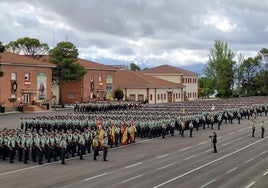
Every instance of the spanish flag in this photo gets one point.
(101, 133)
(124, 136)
(112, 135)
(132, 132)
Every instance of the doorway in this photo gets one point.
(26, 97)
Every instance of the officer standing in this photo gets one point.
(214, 141)
(12, 148)
(82, 146)
(253, 124)
(63, 146)
(262, 129)
(182, 128)
(105, 147)
(191, 128)
(95, 146)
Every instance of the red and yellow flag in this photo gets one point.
(124, 136)
(112, 136)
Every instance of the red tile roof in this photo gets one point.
(167, 69)
(89, 65)
(8, 58)
(134, 79)
(94, 66)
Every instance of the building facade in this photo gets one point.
(140, 87)
(97, 84)
(25, 80)
(179, 76)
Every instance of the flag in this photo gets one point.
(132, 132)
(124, 136)
(112, 134)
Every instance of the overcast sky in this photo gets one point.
(152, 32)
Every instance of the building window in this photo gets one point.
(132, 97)
(27, 76)
(164, 96)
(140, 97)
(158, 97)
(179, 95)
(100, 78)
(13, 76)
(71, 95)
(151, 97)
(92, 78)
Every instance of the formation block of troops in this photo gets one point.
(50, 138)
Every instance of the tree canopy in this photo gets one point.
(28, 46)
(220, 68)
(64, 56)
(2, 47)
(134, 67)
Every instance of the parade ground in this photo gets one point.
(182, 162)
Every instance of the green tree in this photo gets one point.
(2, 47)
(118, 94)
(205, 87)
(220, 68)
(134, 67)
(28, 46)
(64, 56)
(247, 72)
(261, 81)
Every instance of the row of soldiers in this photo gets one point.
(104, 106)
(145, 119)
(70, 135)
(41, 144)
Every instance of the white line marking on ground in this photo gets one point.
(136, 164)
(183, 149)
(163, 167)
(252, 183)
(226, 144)
(211, 181)
(264, 174)
(263, 152)
(219, 137)
(238, 138)
(161, 156)
(208, 151)
(193, 156)
(207, 164)
(19, 170)
(95, 176)
(249, 160)
(202, 143)
(130, 179)
(240, 130)
(230, 133)
(231, 170)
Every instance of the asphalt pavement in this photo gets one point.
(183, 162)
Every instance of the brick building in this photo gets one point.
(25, 80)
(96, 84)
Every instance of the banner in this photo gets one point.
(41, 85)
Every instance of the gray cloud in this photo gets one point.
(151, 31)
